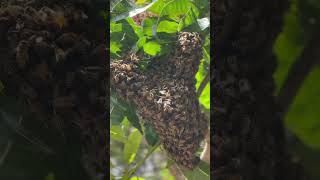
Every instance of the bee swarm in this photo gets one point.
(248, 141)
(165, 97)
(51, 57)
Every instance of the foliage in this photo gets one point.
(153, 38)
(301, 119)
(301, 22)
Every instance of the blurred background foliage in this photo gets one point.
(149, 28)
(303, 119)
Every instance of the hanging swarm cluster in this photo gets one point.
(50, 58)
(248, 139)
(165, 97)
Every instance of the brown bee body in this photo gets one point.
(22, 55)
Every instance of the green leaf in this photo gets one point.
(152, 48)
(142, 41)
(148, 25)
(173, 8)
(189, 18)
(202, 172)
(167, 27)
(115, 47)
(117, 110)
(125, 39)
(116, 115)
(165, 174)
(131, 147)
(302, 117)
(115, 27)
(205, 97)
(132, 117)
(150, 135)
(136, 178)
(117, 134)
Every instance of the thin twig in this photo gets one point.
(298, 73)
(6, 152)
(203, 84)
(140, 163)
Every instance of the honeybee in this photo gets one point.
(22, 54)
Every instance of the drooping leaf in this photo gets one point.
(150, 135)
(117, 110)
(131, 147)
(132, 117)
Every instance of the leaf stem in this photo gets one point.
(140, 163)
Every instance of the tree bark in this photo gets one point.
(248, 136)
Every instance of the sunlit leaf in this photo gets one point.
(131, 147)
(152, 48)
(167, 27)
(165, 174)
(115, 47)
(117, 134)
(115, 27)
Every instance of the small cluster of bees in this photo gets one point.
(49, 58)
(165, 97)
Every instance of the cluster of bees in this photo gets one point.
(165, 97)
(51, 60)
(247, 132)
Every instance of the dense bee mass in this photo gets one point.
(51, 57)
(165, 97)
(248, 141)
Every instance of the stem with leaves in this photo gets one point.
(140, 163)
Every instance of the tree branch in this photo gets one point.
(298, 73)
